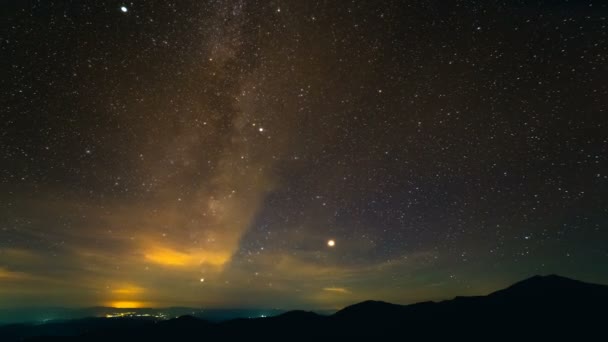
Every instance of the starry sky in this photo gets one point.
(205, 153)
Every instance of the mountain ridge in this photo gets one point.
(541, 306)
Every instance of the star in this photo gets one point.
(232, 142)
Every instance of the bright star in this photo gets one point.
(124, 9)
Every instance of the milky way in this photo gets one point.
(299, 154)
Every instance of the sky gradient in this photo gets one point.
(203, 153)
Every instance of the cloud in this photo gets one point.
(6, 274)
(169, 257)
(124, 304)
(129, 290)
(337, 290)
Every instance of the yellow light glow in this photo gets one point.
(126, 304)
(7, 274)
(331, 243)
(336, 289)
(128, 290)
(169, 257)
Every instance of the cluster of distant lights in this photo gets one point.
(131, 314)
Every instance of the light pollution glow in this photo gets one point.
(129, 304)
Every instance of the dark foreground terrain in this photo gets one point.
(539, 308)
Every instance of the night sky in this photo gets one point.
(205, 153)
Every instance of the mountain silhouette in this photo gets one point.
(540, 307)
(549, 287)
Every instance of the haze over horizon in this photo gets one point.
(299, 154)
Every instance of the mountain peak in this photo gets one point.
(546, 280)
(368, 304)
(551, 285)
(368, 307)
(549, 278)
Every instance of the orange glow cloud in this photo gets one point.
(6, 274)
(169, 257)
(126, 304)
(128, 290)
(336, 289)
